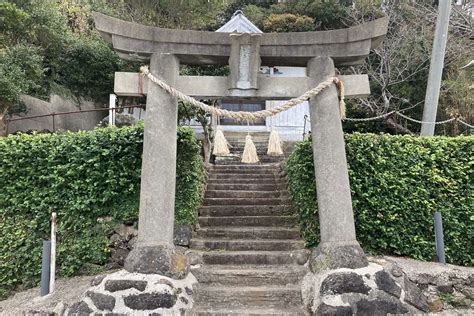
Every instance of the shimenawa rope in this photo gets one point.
(250, 116)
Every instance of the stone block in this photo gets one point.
(346, 256)
(163, 260)
(182, 235)
(387, 284)
(329, 310)
(414, 296)
(79, 309)
(102, 301)
(343, 282)
(150, 301)
(120, 285)
(380, 306)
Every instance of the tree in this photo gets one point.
(398, 68)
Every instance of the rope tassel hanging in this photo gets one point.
(250, 152)
(221, 146)
(274, 144)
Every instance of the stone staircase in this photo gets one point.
(248, 242)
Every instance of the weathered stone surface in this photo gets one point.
(166, 282)
(414, 296)
(349, 256)
(380, 307)
(118, 257)
(329, 310)
(194, 258)
(102, 301)
(435, 304)
(343, 282)
(346, 46)
(182, 235)
(460, 301)
(397, 271)
(79, 309)
(445, 288)
(184, 300)
(162, 260)
(97, 280)
(150, 301)
(338, 247)
(121, 119)
(386, 283)
(188, 290)
(120, 285)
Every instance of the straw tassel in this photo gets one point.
(274, 144)
(342, 104)
(221, 146)
(250, 152)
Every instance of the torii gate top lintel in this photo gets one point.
(347, 46)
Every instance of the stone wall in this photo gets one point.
(68, 122)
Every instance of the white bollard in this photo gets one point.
(112, 99)
(52, 273)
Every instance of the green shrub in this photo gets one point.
(397, 182)
(83, 177)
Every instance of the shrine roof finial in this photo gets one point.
(239, 24)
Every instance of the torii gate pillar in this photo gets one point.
(155, 251)
(338, 247)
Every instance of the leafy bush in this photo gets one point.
(397, 182)
(83, 177)
(87, 68)
(21, 72)
(288, 22)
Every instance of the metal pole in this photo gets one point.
(439, 238)
(52, 275)
(45, 268)
(112, 100)
(436, 68)
(304, 126)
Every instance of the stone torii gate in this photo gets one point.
(166, 49)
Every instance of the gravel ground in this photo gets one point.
(69, 291)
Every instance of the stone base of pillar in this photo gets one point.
(161, 259)
(329, 256)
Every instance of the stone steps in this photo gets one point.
(247, 251)
(246, 201)
(242, 187)
(256, 232)
(218, 175)
(235, 311)
(254, 257)
(249, 275)
(248, 194)
(270, 172)
(229, 221)
(247, 244)
(258, 296)
(246, 180)
(242, 167)
(246, 210)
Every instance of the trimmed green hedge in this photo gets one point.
(397, 182)
(83, 177)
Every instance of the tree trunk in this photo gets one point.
(3, 124)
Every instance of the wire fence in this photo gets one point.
(53, 115)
